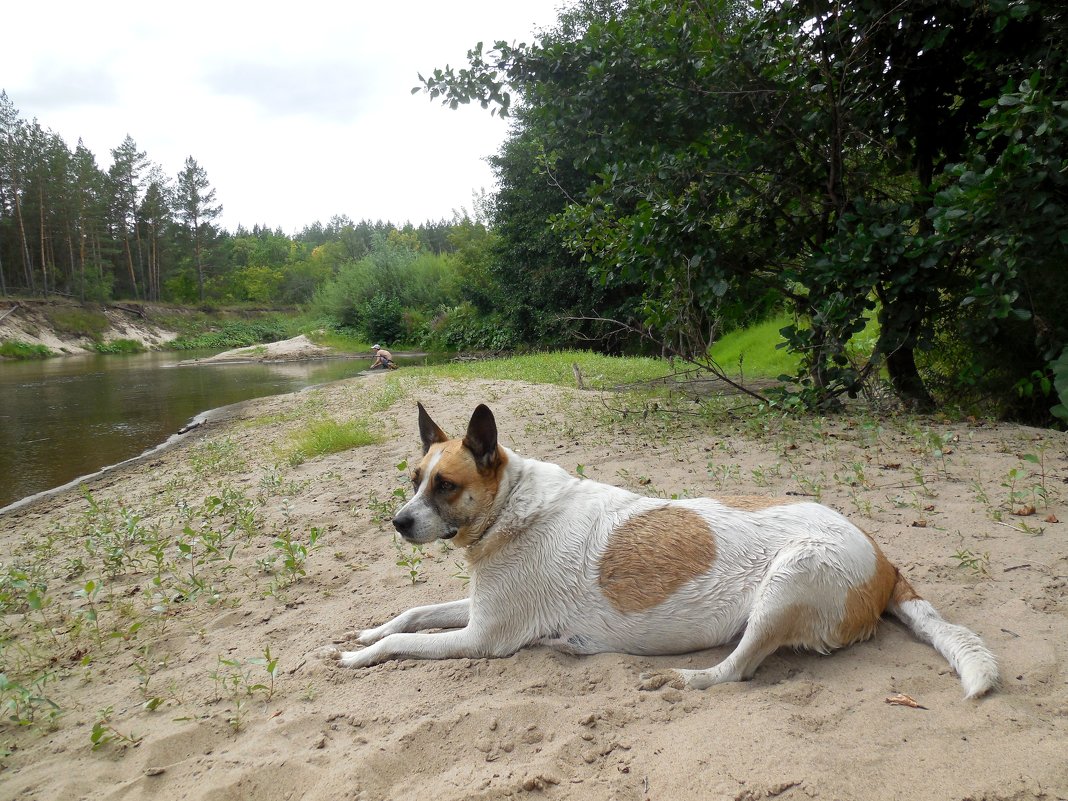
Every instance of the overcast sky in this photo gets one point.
(297, 111)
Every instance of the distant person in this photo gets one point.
(383, 358)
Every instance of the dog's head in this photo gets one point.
(455, 482)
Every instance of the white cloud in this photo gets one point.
(297, 111)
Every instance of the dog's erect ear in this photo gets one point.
(481, 438)
(429, 431)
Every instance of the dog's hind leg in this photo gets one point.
(792, 608)
(767, 631)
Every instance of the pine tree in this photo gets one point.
(197, 209)
(125, 174)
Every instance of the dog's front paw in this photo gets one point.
(358, 659)
(660, 678)
(326, 652)
(371, 636)
(347, 636)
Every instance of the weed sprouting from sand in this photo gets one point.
(462, 574)
(383, 509)
(410, 558)
(811, 485)
(217, 456)
(103, 732)
(236, 682)
(294, 553)
(723, 474)
(977, 564)
(25, 704)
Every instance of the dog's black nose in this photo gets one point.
(403, 523)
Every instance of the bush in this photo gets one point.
(15, 349)
(392, 277)
(119, 346)
(383, 319)
(238, 334)
(95, 287)
(77, 321)
(462, 328)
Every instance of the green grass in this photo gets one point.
(235, 334)
(77, 322)
(755, 346)
(119, 346)
(14, 349)
(556, 368)
(338, 340)
(330, 436)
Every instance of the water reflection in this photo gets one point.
(67, 417)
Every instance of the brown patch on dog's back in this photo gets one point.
(866, 603)
(651, 555)
(756, 503)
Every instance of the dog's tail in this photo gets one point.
(976, 666)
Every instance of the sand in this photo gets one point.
(538, 724)
(298, 348)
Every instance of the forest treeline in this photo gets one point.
(675, 169)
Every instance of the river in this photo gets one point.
(67, 417)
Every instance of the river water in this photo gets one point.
(67, 417)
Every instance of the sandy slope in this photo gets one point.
(541, 723)
(28, 323)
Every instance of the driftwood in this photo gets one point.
(578, 376)
(140, 312)
(9, 311)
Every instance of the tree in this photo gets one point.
(125, 174)
(12, 168)
(723, 151)
(197, 208)
(155, 216)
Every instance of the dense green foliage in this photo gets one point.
(116, 346)
(235, 334)
(898, 161)
(14, 349)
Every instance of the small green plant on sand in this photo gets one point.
(25, 704)
(977, 563)
(294, 553)
(411, 559)
(383, 509)
(103, 732)
(235, 681)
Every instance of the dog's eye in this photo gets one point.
(415, 479)
(445, 485)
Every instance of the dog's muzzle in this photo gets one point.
(404, 523)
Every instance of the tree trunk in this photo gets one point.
(81, 256)
(44, 257)
(70, 258)
(130, 264)
(906, 380)
(27, 267)
(897, 341)
(196, 251)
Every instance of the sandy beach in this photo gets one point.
(163, 663)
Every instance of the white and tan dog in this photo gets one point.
(587, 568)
